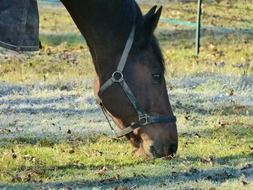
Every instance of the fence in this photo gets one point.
(195, 24)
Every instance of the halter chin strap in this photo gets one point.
(118, 77)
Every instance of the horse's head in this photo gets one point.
(132, 85)
(144, 74)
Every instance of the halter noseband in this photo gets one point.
(118, 77)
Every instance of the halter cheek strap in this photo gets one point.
(118, 77)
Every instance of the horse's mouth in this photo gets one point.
(139, 152)
(153, 153)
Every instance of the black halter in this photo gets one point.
(118, 77)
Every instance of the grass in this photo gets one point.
(209, 152)
(44, 91)
(50, 64)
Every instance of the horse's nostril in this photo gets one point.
(153, 151)
(173, 149)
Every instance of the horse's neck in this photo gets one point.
(105, 26)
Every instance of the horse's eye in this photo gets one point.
(157, 78)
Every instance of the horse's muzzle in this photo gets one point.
(166, 151)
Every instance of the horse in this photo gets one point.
(129, 65)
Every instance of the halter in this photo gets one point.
(144, 118)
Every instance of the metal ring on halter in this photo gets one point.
(144, 119)
(117, 76)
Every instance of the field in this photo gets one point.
(54, 136)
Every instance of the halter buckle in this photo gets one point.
(117, 76)
(144, 119)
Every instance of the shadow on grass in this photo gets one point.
(179, 107)
(216, 176)
(225, 172)
(45, 103)
(40, 101)
(224, 108)
(33, 111)
(222, 161)
(233, 129)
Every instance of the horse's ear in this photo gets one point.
(150, 13)
(151, 20)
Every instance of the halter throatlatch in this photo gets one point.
(118, 77)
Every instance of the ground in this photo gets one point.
(54, 136)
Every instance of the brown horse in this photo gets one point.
(130, 72)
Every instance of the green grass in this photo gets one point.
(208, 152)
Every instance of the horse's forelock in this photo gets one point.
(133, 12)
